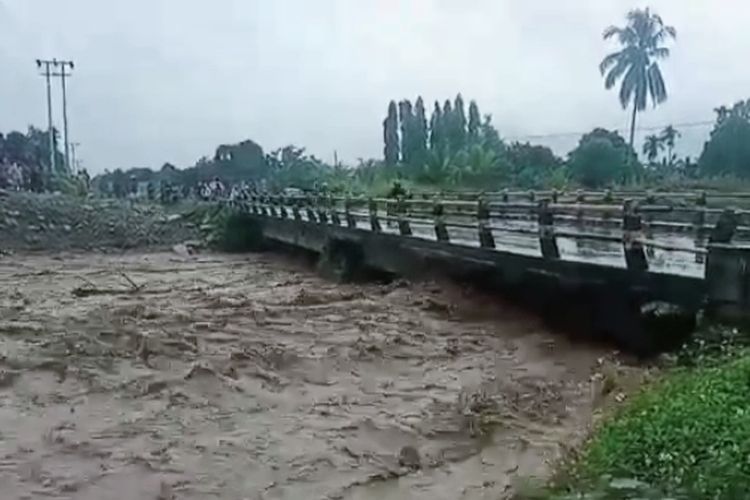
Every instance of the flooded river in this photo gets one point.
(166, 376)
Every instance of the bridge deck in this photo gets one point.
(612, 258)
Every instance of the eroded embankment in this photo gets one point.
(30, 221)
(192, 377)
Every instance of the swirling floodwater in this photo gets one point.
(176, 376)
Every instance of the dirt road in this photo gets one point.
(159, 376)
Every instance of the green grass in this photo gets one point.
(226, 230)
(688, 434)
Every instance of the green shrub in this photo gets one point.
(227, 230)
(238, 233)
(689, 433)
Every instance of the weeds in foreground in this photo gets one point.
(227, 230)
(684, 436)
(689, 434)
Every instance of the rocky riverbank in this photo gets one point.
(34, 222)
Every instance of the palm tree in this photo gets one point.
(641, 42)
(669, 135)
(652, 147)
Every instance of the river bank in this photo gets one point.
(55, 222)
(684, 435)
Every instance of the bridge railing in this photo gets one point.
(639, 235)
(639, 227)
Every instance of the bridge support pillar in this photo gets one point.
(728, 281)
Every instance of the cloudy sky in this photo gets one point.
(168, 80)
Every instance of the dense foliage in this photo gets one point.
(603, 158)
(689, 434)
(727, 152)
(456, 148)
(30, 149)
(25, 163)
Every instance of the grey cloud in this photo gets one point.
(167, 80)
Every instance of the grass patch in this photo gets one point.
(238, 233)
(688, 435)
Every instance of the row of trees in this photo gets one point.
(655, 144)
(25, 161)
(483, 160)
(460, 149)
(727, 152)
(456, 152)
(29, 150)
(457, 146)
(289, 166)
(409, 138)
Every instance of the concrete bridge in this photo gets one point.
(613, 263)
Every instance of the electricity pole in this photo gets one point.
(62, 74)
(47, 74)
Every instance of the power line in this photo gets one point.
(622, 129)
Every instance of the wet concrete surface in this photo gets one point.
(166, 376)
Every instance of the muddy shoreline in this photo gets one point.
(158, 375)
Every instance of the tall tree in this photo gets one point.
(17, 148)
(652, 146)
(458, 131)
(420, 132)
(641, 46)
(669, 137)
(406, 114)
(475, 122)
(490, 137)
(449, 119)
(390, 135)
(436, 126)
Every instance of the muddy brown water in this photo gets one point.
(160, 376)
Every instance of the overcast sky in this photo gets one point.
(168, 80)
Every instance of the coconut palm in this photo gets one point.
(652, 146)
(641, 42)
(669, 136)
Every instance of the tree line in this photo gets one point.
(455, 145)
(409, 138)
(289, 166)
(27, 156)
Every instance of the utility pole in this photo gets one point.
(62, 74)
(47, 73)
